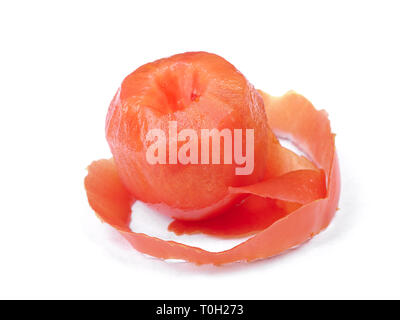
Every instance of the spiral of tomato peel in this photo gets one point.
(297, 200)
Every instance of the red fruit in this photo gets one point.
(198, 90)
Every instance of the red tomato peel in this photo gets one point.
(301, 186)
(289, 116)
(246, 218)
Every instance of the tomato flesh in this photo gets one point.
(199, 91)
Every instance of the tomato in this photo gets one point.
(287, 199)
(196, 90)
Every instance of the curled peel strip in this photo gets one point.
(313, 202)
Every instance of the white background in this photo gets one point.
(61, 63)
